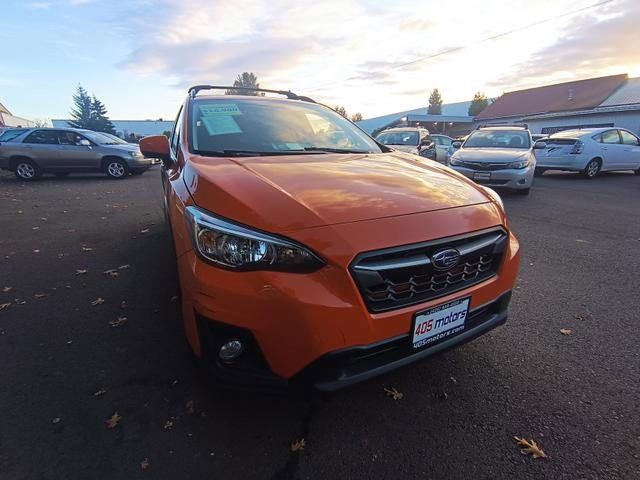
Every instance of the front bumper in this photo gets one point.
(315, 328)
(511, 178)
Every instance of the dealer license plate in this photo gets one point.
(440, 322)
(482, 176)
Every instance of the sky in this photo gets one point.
(374, 57)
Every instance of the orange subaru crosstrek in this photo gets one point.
(309, 253)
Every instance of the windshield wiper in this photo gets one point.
(333, 150)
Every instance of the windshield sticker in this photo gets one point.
(212, 109)
(220, 124)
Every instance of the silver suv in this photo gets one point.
(498, 157)
(66, 150)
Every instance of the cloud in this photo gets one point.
(39, 5)
(590, 46)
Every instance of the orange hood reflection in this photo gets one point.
(287, 193)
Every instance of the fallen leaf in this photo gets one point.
(100, 392)
(119, 322)
(40, 295)
(144, 230)
(98, 301)
(7, 289)
(43, 219)
(124, 305)
(530, 447)
(173, 299)
(36, 251)
(566, 331)
(81, 271)
(35, 228)
(393, 393)
(168, 425)
(56, 420)
(113, 421)
(144, 464)
(190, 406)
(87, 249)
(123, 267)
(112, 273)
(298, 445)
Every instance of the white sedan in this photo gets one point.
(590, 151)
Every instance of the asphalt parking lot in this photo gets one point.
(69, 365)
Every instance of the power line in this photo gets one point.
(483, 40)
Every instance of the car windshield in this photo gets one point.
(11, 134)
(498, 139)
(399, 138)
(238, 126)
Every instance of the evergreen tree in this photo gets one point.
(100, 121)
(245, 80)
(81, 112)
(435, 103)
(478, 104)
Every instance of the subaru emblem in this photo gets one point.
(445, 259)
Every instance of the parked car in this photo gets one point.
(309, 253)
(590, 151)
(438, 149)
(66, 150)
(405, 139)
(499, 157)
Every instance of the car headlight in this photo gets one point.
(135, 154)
(519, 164)
(237, 247)
(495, 197)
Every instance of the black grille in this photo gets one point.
(482, 166)
(401, 276)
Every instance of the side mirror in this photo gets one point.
(84, 143)
(539, 145)
(456, 145)
(425, 142)
(156, 146)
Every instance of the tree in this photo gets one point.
(245, 80)
(81, 112)
(356, 117)
(100, 121)
(341, 110)
(478, 104)
(435, 103)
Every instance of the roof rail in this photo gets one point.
(193, 91)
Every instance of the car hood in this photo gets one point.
(288, 193)
(131, 147)
(492, 155)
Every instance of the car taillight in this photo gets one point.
(577, 147)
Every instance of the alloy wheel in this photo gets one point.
(26, 171)
(116, 169)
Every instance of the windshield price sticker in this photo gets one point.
(214, 109)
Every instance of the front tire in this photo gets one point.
(116, 169)
(538, 172)
(592, 169)
(27, 170)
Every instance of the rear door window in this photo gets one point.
(69, 138)
(629, 138)
(47, 137)
(610, 136)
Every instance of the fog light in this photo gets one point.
(231, 350)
